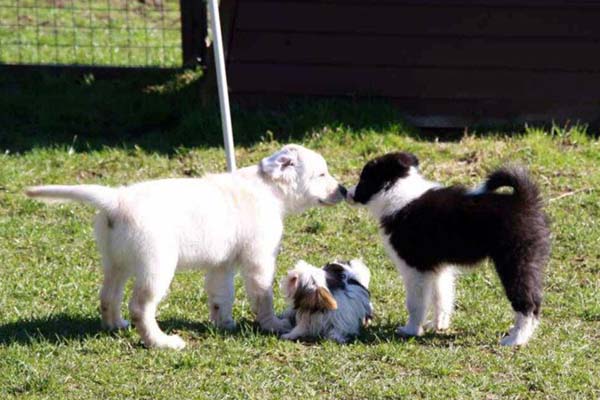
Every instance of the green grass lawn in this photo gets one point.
(90, 32)
(51, 344)
(60, 129)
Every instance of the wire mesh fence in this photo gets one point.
(91, 32)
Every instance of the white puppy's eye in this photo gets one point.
(322, 175)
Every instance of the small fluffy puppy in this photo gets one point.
(332, 302)
(427, 228)
(218, 223)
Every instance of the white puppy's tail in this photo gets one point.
(101, 197)
(360, 272)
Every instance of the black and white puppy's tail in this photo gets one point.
(517, 178)
(101, 197)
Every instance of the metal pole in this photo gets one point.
(213, 8)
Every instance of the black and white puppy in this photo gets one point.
(331, 302)
(427, 228)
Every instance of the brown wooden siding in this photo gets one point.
(445, 63)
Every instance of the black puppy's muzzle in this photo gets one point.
(343, 191)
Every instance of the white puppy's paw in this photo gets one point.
(409, 331)
(430, 326)
(122, 324)
(173, 342)
(440, 325)
(443, 325)
(113, 326)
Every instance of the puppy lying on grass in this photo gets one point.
(331, 302)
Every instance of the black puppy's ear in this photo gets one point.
(413, 159)
(334, 268)
(335, 276)
(404, 159)
(408, 159)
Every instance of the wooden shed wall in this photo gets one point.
(445, 63)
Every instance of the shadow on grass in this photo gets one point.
(243, 327)
(387, 333)
(53, 329)
(162, 110)
(62, 327)
(442, 339)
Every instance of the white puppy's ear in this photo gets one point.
(280, 165)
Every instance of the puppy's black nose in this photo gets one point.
(343, 190)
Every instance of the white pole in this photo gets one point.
(213, 6)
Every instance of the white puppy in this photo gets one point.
(151, 229)
(332, 301)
